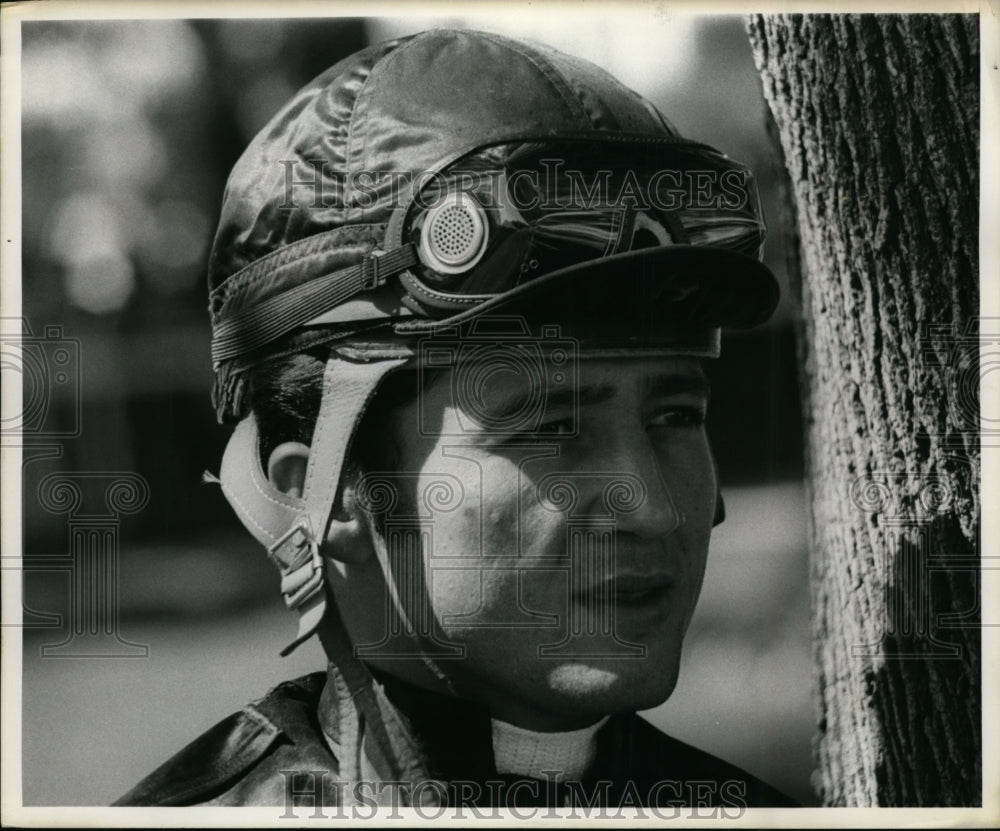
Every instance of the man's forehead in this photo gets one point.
(646, 369)
(582, 380)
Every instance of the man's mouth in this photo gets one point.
(627, 593)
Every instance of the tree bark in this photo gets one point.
(878, 117)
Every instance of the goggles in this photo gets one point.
(497, 218)
(506, 215)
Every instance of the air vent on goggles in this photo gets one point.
(507, 214)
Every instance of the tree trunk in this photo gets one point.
(878, 118)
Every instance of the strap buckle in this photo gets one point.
(296, 554)
(370, 276)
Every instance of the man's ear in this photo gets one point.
(720, 505)
(347, 538)
(286, 467)
(720, 509)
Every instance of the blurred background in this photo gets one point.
(129, 131)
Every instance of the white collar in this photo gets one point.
(524, 752)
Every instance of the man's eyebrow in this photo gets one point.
(564, 397)
(688, 384)
(661, 386)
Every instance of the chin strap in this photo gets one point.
(293, 529)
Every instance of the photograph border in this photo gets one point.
(12, 15)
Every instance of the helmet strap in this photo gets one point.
(293, 529)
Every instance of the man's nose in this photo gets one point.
(646, 507)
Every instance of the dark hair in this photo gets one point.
(285, 395)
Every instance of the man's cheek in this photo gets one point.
(499, 528)
(454, 592)
(541, 531)
(476, 598)
(545, 591)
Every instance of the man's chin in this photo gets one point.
(613, 686)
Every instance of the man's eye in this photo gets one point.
(557, 427)
(678, 417)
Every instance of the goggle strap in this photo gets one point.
(675, 228)
(279, 315)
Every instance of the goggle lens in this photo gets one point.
(511, 213)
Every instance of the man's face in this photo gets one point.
(559, 563)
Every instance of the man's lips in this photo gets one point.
(628, 590)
